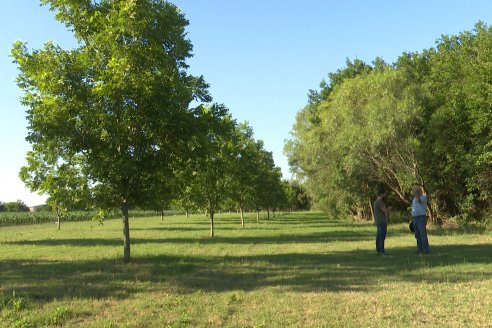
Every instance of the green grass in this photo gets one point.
(298, 270)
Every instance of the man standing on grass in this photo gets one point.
(381, 220)
(419, 215)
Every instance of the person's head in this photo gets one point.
(417, 191)
(381, 193)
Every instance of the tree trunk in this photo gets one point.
(273, 211)
(187, 214)
(372, 210)
(257, 216)
(212, 224)
(430, 206)
(431, 209)
(58, 223)
(360, 214)
(242, 217)
(126, 232)
(268, 212)
(162, 215)
(433, 213)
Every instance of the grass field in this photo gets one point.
(297, 270)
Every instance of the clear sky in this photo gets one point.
(260, 56)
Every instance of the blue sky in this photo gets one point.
(259, 56)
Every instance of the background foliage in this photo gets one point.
(425, 119)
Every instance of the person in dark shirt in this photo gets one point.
(381, 221)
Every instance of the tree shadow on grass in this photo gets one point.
(176, 229)
(319, 237)
(297, 221)
(358, 270)
(346, 234)
(221, 227)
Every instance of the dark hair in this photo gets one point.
(381, 192)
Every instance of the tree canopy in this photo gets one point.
(115, 110)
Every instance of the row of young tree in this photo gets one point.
(232, 170)
(118, 122)
(425, 120)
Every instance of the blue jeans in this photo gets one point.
(419, 225)
(380, 237)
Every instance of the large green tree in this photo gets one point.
(66, 183)
(118, 101)
(266, 182)
(307, 149)
(242, 188)
(212, 175)
(365, 137)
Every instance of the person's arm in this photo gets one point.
(382, 206)
(386, 212)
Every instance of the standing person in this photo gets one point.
(381, 220)
(419, 215)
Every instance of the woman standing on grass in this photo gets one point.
(419, 215)
(381, 220)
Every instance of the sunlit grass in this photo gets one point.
(297, 270)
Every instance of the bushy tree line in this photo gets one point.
(118, 122)
(17, 206)
(230, 170)
(425, 119)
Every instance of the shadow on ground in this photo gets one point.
(299, 272)
(343, 233)
(355, 270)
(319, 237)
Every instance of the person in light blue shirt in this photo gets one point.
(419, 215)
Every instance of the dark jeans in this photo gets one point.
(419, 225)
(380, 237)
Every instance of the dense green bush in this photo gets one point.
(423, 120)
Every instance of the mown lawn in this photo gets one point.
(297, 270)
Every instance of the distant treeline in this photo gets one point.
(22, 218)
(425, 119)
(17, 206)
